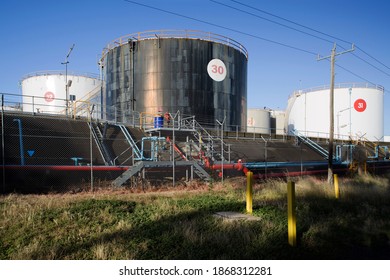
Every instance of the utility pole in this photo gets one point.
(173, 147)
(331, 108)
(221, 124)
(132, 50)
(66, 80)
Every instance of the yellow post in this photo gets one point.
(336, 186)
(292, 222)
(249, 191)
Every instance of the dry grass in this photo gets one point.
(177, 223)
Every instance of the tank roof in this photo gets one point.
(185, 34)
(60, 72)
(338, 86)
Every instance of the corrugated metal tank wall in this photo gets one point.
(171, 74)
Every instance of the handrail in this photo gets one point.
(323, 152)
(60, 72)
(171, 33)
(79, 105)
(97, 141)
(133, 145)
(336, 86)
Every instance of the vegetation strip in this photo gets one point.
(179, 223)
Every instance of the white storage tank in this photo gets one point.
(259, 121)
(278, 119)
(45, 92)
(358, 112)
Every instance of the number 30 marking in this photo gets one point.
(216, 70)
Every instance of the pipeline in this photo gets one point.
(231, 166)
(252, 166)
(67, 167)
(177, 149)
(205, 159)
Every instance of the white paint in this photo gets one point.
(216, 70)
(259, 121)
(308, 112)
(46, 93)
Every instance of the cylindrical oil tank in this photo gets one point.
(259, 121)
(196, 73)
(358, 112)
(278, 119)
(45, 91)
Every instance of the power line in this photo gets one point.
(295, 29)
(380, 70)
(275, 22)
(261, 38)
(290, 21)
(358, 76)
(373, 58)
(223, 27)
(309, 28)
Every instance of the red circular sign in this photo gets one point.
(360, 105)
(49, 96)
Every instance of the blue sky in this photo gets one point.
(36, 35)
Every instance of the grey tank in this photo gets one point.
(153, 74)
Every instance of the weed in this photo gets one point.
(178, 223)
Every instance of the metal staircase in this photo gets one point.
(199, 170)
(204, 144)
(137, 167)
(99, 140)
(313, 145)
(211, 144)
(81, 107)
(138, 155)
(373, 150)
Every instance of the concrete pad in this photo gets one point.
(236, 216)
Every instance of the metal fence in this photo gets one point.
(43, 149)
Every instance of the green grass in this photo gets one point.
(179, 224)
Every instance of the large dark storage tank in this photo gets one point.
(197, 73)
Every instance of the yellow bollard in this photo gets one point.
(336, 186)
(249, 191)
(292, 220)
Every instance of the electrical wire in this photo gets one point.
(223, 27)
(290, 21)
(373, 58)
(272, 21)
(311, 29)
(358, 76)
(380, 70)
(272, 41)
